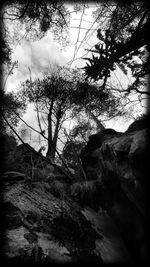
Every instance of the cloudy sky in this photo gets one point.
(40, 55)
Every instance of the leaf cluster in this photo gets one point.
(126, 33)
(39, 17)
(5, 50)
(93, 97)
(13, 107)
(71, 152)
(54, 91)
(81, 130)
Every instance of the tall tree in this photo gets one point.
(51, 97)
(64, 94)
(31, 19)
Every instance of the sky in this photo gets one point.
(42, 54)
(39, 54)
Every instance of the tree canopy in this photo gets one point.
(87, 95)
(95, 99)
(38, 16)
(51, 96)
(61, 95)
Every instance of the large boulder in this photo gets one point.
(98, 220)
(42, 227)
(140, 124)
(119, 162)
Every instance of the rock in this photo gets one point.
(41, 227)
(140, 124)
(98, 220)
(95, 142)
(110, 244)
(139, 143)
(120, 163)
(138, 150)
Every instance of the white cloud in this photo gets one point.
(35, 55)
(39, 54)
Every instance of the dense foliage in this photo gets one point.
(122, 41)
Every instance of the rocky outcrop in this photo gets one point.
(41, 227)
(120, 166)
(140, 124)
(98, 220)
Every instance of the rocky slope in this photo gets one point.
(49, 218)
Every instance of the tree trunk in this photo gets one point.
(48, 154)
(49, 150)
(52, 142)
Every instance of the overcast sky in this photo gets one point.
(38, 55)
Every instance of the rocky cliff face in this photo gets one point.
(120, 164)
(102, 219)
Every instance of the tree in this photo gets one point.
(71, 153)
(123, 38)
(96, 102)
(5, 50)
(31, 20)
(38, 17)
(76, 140)
(12, 108)
(51, 97)
(81, 131)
